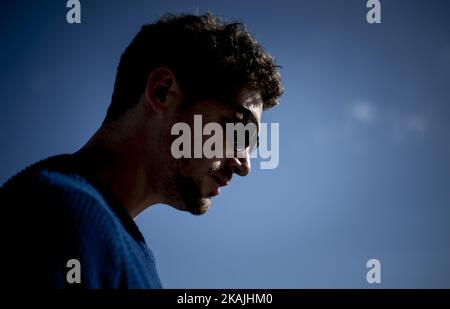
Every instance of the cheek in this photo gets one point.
(199, 168)
(214, 165)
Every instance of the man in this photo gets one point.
(77, 210)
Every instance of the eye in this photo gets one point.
(253, 141)
(238, 145)
(250, 140)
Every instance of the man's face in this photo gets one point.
(197, 180)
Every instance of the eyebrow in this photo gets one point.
(234, 118)
(246, 111)
(229, 119)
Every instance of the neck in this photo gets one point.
(117, 166)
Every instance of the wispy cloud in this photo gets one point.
(416, 123)
(401, 124)
(412, 124)
(363, 111)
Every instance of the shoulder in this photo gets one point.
(70, 190)
(62, 216)
(48, 199)
(80, 204)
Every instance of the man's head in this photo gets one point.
(183, 66)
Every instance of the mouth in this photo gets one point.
(220, 182)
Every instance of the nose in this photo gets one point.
(240, 166)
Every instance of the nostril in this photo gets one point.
(239, 167)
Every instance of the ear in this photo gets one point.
(161, 85)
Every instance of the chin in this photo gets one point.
(191, 195)
(200, 207)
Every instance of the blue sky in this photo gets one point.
(364, 138)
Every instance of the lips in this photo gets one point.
(221, 182)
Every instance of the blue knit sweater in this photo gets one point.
(59, 215)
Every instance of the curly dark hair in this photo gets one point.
(210, 59)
